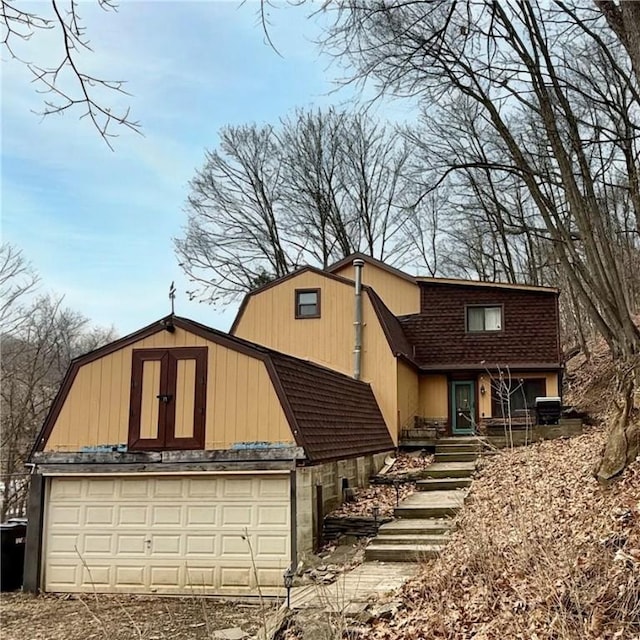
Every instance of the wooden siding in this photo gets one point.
(434, 392)
(434, 396)
(269, 319)
(484, 407)
(408, 395)
(401, 296)
(242, 405)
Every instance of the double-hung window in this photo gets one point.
(307, 303)
(481, 319)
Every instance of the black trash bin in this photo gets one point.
(548, 409)
(13, 537)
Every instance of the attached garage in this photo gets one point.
(167, 534)
(176, 460)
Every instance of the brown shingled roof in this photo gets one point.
(336, 416)
(391, 326)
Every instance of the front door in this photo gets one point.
(463, 407)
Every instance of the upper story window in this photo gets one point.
(484, 319)
(307, 303)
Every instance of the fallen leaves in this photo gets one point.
(541, 551)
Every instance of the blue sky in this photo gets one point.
(98, 225)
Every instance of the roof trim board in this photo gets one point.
(336, 266)
(484, 283)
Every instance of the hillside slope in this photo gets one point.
(542, 551)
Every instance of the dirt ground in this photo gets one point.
(122, 617)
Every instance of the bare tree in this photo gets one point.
(35, 357)
(64, 81)
(312, 190)
(522, 65)
(17, 280)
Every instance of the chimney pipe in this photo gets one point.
(357, 350)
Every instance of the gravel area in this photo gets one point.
(122, 617)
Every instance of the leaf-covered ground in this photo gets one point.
(541, 552)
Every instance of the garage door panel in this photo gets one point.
(134, 489)
(130, 575)
(133, 516)
(66, 515)
(167, 488)
(104, 488)
(233, 488)
(235, 577)
(66, 488)
(64, 543)
(234, 516)
(203, 488)
(96, 576)
(200, 544)
(165, 576)
(201, 515)
(166, 515)
(270, 577)
(270, 489)
(135, 544)
(271, 546)
(97, 543)
(63, 575)
(166, 544)
(167, 535)
(98, 516)
(273, 515)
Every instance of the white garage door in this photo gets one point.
(167, 534)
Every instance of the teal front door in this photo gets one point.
(463, 407)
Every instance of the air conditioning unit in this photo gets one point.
(548, 409)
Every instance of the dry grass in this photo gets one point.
(542, 551)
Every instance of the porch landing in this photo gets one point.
(497, 437)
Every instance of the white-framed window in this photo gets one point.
(484, 318)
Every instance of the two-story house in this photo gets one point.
(434, 349)
(182, 459)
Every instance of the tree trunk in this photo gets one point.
(623, 442)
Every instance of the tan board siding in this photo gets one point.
(269, 319)
(408, 395)
(434, 396)
(484, 407)
(242, 405)
(400, 295)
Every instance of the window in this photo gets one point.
(307, 303)
(168, 398)
(521, 395)
(484, 319)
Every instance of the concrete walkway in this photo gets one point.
(358, 585)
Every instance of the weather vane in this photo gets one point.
(172, 297)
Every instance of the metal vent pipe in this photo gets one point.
(358, 264)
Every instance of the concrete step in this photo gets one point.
(461, 440)
(416, 526)
(443, 484)
(438, 540)
(400, 553)
(469, 447)
(431, 504)
(456, 456)
(450, 470)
